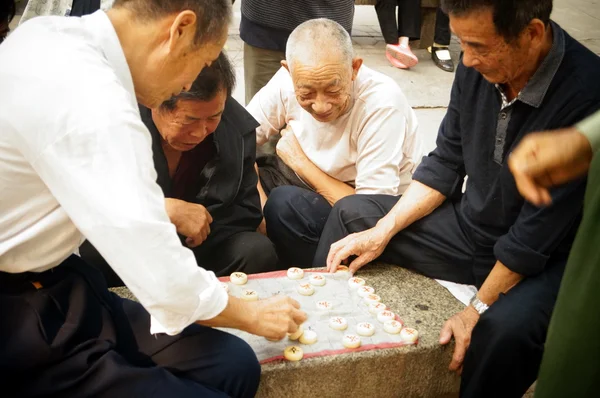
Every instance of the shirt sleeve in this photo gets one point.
(380, 152)
(590, 127)
(268, 107)
(538, 231)
(443, 169)
(100, 170)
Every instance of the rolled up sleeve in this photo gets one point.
(539, 231)
(443, 169)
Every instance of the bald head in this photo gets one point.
(319, 40)
(320, 60)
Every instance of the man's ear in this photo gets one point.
(537, 32)
(356, 64)
(182, 31)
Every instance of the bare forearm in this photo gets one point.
(328, 187)
(236, 315)
(500, 280)
(418, 201)
(171, 207)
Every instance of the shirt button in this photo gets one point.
(503, 116)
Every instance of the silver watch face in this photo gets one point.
(479, 306)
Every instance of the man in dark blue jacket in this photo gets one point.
(204, 145)
(520, 73)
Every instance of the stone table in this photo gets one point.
(410, 371)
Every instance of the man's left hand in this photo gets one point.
(289, 150)
(461, 327)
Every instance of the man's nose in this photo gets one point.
(468, 59)
(200, 130)
(321, 106)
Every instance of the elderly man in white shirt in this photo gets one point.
(75, 162)
(345, 129)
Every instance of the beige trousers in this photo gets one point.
(259, 67)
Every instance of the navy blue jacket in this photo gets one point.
(476, 138)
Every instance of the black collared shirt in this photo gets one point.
(478, 133)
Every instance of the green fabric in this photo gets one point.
(590, 127)
(571, 363)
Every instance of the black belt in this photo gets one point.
(19, 282)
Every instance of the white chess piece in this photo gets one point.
(409, 335)
(392, 327)
(308, 337)
(338, 323)
(365, 329)
(295, 273)
(384, 316)
(306, 289)
(238, 278)
(293, 353)
(351, 341)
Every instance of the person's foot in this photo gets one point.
(441, 57)
(402, 54)
(394, 61)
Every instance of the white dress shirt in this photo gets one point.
(76, 161)
(373, 147)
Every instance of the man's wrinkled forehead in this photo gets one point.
(475, 27)
(315, 84)
(320, 76)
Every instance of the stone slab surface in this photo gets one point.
(410, 371)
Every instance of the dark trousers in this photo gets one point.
(442, 28)
(73, 338)
(249, 252)
(507, 343)
(409, 19)
(295, 218)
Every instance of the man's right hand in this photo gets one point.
(366, 246)
(274, 317)
(543, 160)
(191, 220)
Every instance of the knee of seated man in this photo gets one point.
(258, 254)
(350, 207)
(506, 326)
(280, 203)
(240, 363)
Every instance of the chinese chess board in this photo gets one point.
(345, 303)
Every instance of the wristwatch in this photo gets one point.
(479, 305)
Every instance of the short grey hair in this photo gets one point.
(213, 16)
(315, 38)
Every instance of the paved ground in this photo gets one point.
(426, 87)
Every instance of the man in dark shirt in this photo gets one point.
(520, 73)
(204, 145)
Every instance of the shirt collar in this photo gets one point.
(536, 88)
(106, 37)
